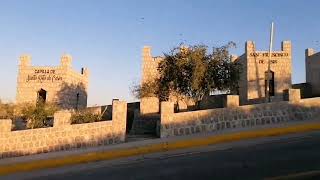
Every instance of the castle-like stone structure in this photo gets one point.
(151, 105)
(61, 84)
(63, 135)
(313, 71)
(67, 88)
(253, 78)
(149, 65)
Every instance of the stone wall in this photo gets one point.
(313, 70)
(213, 101)
(151, 105)
(62, 84)
(149, 65)
(185, 123)
(253, 76)
(63, 135)
(107, 109)
(305, 89)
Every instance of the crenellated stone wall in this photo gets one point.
(252, 85)
(235, 116)
(60, 84)
(63, 135)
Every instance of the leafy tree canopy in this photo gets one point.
(193, 72)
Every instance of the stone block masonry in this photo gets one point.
(252, 84)
(185, 123)
(59, 84)
(149, 105)
(313, 70)
(63, 135)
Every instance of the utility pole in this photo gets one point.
(269, 61)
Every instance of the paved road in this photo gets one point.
(245, 161)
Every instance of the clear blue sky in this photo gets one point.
(107, 36)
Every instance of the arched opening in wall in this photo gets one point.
(42, 96)
(77, 101)
(271, 83)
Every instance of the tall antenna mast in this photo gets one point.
(269, 61)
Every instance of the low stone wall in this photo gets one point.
(235, 116)
(213, 101)
(106, 110)
(305, 89)
(63, 135)
(149, 105)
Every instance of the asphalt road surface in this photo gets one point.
(259, 160)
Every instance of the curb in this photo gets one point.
(153, 148)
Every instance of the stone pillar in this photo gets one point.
(309, 52)
(250, 47)
(167, 113)
(148, 65)
(62, 118)
(25, 60)
(119, 118)
(146, 52)
(66, 60)
(286, 46)
(5, 125)
(232, 101)
(294, 95)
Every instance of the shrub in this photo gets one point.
(80, 117)
(7, 110)
(39, 115)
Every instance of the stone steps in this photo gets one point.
(145, 125)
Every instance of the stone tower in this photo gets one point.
(313, 70)
(61, 84)
(149, 105)
(252, 85)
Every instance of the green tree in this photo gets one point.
(7, 110)
(193, 72)
(38, 116)
(147, 89)
(83, 116)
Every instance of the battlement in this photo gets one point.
(252, 84)
(312, 53)
(149, 65)
(66, 60)
(25, 60)
(146, 51)
(59, 84)
(250, 47)
(309, 52)
(286, 46)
